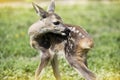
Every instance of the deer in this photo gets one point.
(50, 35)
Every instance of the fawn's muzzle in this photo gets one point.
(66, 31)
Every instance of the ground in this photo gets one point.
(18, 61)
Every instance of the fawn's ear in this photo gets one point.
(41, 12)
(51, 7)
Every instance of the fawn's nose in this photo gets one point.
(66, 31)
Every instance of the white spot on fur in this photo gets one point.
(77, 31)
(73, 29)
(83, 36)
(70, 28)
(80, 34)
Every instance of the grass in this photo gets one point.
(101, 21)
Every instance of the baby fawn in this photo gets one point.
(50, 35)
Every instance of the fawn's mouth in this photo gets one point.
(55, 31)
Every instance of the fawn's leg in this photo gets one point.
(45, 57)
(54, 64)
(78, 64)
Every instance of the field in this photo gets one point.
(18, 61)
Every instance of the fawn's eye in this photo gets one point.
(56, 23)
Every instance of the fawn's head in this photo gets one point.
(52, 21)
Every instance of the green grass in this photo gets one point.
(101, 21)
